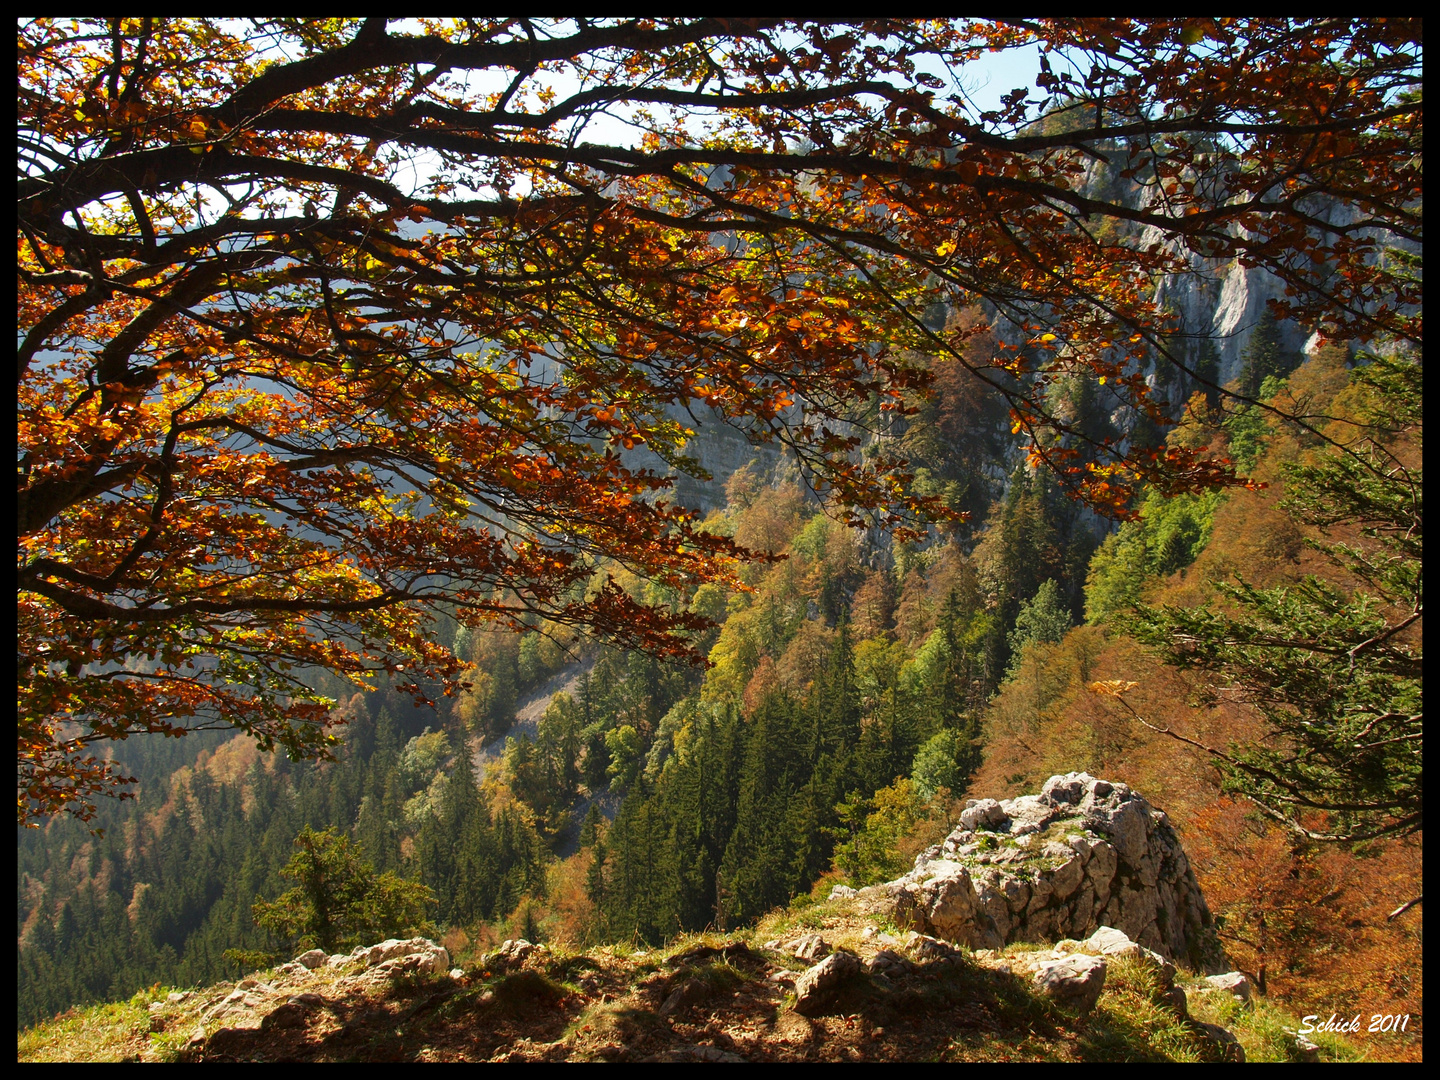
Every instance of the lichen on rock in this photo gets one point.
(1081, 854)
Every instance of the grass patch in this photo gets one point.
(113, 1032)
(524, 992)
(1133, 1021)
(613, 1022)
(1262, 1029)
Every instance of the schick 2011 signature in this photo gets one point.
(1378, 1022)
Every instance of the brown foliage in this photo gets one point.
(1325, 945)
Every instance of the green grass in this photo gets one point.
(113, 1032)
(1262, 1029)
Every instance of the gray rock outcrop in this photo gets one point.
(411, 956)
(818, 985)
(1082, 854)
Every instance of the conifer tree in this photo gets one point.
(1336, 672)
(1265, 356)
(1043, 618)
(338, 899)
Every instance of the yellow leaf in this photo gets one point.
(1047, 337)
(1112, 687)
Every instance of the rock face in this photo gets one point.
(1082, 854)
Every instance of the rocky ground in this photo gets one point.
(938, 965)
(825, 983)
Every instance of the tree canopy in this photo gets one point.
(1336, 671)
(325, 325)
(338, 900)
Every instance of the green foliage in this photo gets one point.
(423, 756)
(339, 900)
(1249, 425)
(1042, 618)
(627, 756)
(1167, 536)
(945, 761)
(871, 829)
(480, 863)
(1335, 672)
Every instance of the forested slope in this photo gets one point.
(854, 693)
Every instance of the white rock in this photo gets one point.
(1231, 982)
(1028, 814)
(1067, 789)
(1107, 937)
(984, 813)
(1074, 981)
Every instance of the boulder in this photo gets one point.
(981, 814)
(937, 899)
(687, 993)
(810, 947)
(1081, 853)
(1074, 982)
(1225, 1042)
(311, 960)
(817, 985)
(1176, 996)
(1027, 814)
(1304, 1047)
(391, 948)
(288, 1015)
(395, 957)
(887, 962)
(513, 952)
(929, 950)
(1232, 982)
(841, 892)
(1105, 937)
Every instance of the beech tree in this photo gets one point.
(325, 325)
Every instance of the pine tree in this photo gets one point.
(338, 899)
(758, 867)
(1336, 672)
(1265, 356)
(590, 827)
